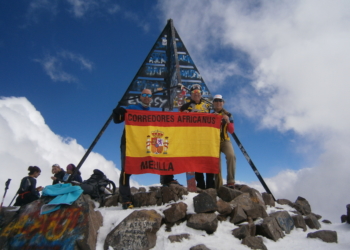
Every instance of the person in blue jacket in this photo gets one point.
(28, 191)
(118, 117)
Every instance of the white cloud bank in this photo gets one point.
(299, 55)
(25, 140)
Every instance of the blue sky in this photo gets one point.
(280, 65)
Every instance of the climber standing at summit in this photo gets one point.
(225, 143)
(118, 117)
(198, 104)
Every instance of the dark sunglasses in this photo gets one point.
(218, 100)
(146, 95)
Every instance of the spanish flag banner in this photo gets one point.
(171, 142)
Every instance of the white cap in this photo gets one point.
(218, 97)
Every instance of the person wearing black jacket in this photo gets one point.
(119, 117)
(70, 170)
(58, 174)
(28, 191)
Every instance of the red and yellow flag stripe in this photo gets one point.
(171, 142)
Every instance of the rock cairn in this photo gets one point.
(243, 206)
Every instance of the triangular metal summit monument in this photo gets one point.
(166, 65)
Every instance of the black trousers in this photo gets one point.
(124, 184)
(24, 199)
(209, 183)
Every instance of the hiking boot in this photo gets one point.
(230, 185)
(171, 182)
(127, 205)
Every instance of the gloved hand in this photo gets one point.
(119, 111)
(119, 114)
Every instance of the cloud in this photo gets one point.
(26, 141)
(129, 15)
(292, 57)
(83, 62)
(80, 7)
(113, 9)
(37, 7)
(53, 65)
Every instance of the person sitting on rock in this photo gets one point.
(77, 176)
(28, 191)
(58, 174)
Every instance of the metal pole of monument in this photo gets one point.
(256, 171)
(174, 77)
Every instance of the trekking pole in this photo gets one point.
(6, 187)
(252, 164)
(13, 199)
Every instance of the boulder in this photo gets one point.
(7, 215)
(211, 191)
(254, 242)
(176, 212)
(242, 200)
(145, 199)
(238, 215)
(327, 221)
(343, 218)
(302, 206)
(256, 197)
(318, 217)
(241, 232)
(325, 235)
(222, 217)
(204, 203)
(137, 231)
(168, 195)
(312, 222)
(199, 247)
(179, 190)
(112, 200)
(285, 202)
(268, 199)
(243, 188)
(178, 237)
(284, 220)
(223, 207)
(299, 222)
(270, 229)
(134, 190)
(228, 194)
(71, 227)
(256, 211)
(203, 221)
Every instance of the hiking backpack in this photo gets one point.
(96, 185)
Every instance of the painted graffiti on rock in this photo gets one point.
(59, 229)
